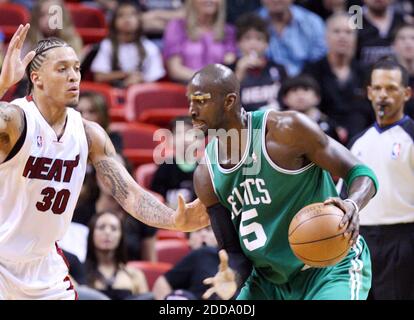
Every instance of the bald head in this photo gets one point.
(217, 78)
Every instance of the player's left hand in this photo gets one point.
(351, 216)
(190, 217)
(224, 282)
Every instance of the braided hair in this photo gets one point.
(41, 48)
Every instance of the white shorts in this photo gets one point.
(45, 278)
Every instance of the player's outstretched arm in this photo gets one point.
(133, 198)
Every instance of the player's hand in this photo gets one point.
(13, 66)
(351, 217)
(224, 282)
(190, 217)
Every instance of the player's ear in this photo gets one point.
(230, 101)
(36, 79)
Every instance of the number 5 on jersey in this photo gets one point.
(253, 227)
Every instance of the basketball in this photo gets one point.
(315, 236)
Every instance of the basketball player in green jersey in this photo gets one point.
(283, 163)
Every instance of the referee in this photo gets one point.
(387, 222)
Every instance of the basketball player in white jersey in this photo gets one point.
(44, 148)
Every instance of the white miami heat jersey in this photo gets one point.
(40, 185)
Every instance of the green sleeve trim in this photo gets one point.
(358, 171)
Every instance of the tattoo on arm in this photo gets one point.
(111, 177)
(150, 211)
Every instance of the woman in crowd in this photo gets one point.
(106, 260)
(200, 39)
(126, 57)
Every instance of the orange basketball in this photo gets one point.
(315, 236)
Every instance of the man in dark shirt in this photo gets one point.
(374, 38)
(188, 274)
(341, 80)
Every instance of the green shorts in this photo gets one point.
(350, 279)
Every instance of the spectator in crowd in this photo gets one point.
(387, 222)
(237, 8)
(106, 260)
(202, 38)
(188, 274)
(302, 94)
(77, 274)
(176, 175)
(156, 16)
(403, 47)
(260, 78)
(341, 79)
(296, 34)
(375, 37)
(126, 57)
(42, 26)
(404, 7)
(325, 8)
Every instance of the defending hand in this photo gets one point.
(190, 217)
(224, 282)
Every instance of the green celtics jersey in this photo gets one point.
(263, 198)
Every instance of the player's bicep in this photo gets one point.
(112, 175)
(203, 186)
(325, 151)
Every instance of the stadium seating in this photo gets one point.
(113, 97)
(171, 250)
(11, 16)
(155, 102)
(89, 22)
(163, 234)
(152, 270)
(138, 141)
(144, 174)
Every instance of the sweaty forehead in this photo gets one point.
(61, 54)
(201, 84)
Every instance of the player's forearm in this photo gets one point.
(148, 209)
(132, 198)
(361, 191)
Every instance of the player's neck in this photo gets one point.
(233, 144)
(53, 113)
